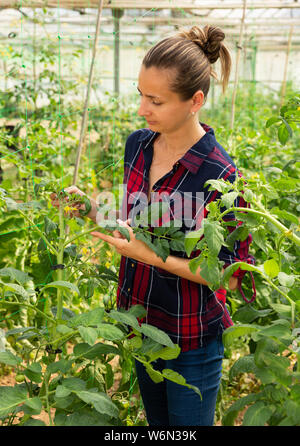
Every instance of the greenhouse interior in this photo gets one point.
(76, 323)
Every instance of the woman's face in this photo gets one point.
(162, 108)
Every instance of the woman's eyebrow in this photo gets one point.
(148, 95)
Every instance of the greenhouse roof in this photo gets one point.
(270, 21)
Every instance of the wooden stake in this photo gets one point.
(286, 66)
(89, 86)
(117, 14)
(236, 80)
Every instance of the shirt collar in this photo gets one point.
(195, 156)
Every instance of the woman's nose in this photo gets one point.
(142, 111)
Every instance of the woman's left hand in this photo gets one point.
(135, 249)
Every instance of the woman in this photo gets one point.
(178, 154)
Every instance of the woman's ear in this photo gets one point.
(198, 99)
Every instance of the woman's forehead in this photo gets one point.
(155, 81)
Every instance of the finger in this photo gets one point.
(74, 190)
(117, 234)
(125, 225)
(105, 237)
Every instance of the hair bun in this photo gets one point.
(208, 39)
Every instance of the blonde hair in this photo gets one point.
(191, 54)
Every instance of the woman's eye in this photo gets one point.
(154, 103)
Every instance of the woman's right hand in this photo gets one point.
(75, 206)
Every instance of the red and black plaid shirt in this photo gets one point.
(190, 313)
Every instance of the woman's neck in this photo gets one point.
(177, 142)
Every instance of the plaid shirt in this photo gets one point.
(189, 312)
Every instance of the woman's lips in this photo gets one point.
(151, 122)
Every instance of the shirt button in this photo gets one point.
(128, 289)
(132, 265)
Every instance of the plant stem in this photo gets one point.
(60, 258)
(33, 308)
(288, 233)
(62, 338)
(46, 381)
(51, 248)
(68, 241)
(278, 249)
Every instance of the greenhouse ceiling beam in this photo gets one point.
(145, 4)
(161, 21)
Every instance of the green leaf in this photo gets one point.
(283, 310)
(62, 366)
(191, 239)
(135, 343)
(233, 236)
(257, 414)
(88, 352)
(9, 359)
(236, 407)
(100, 401)
(210, 270)
(34, 422)
(125, 318)
(109, 332)
(155, 375)
(14, 274)
(62, 391)
(34, 372)
(62, 284)
(16, 289)
(288, 127)
(179, 379)
(74, 384)
(227, 200)
(124, 232)
(81, 419)
(88, 334)
(272, 120)
(66, 313)
(156, 334)
(166, 353)
(49, 225)
(282, 213)
(248, 195)
(138, 311)
(146, 238)
(109, 376)
(194, 263)
(247, 314)
(63, 329)
(285, 185)
(218, 185)
(245, 364)
(293, 411)
(277, 331)
(174, 376)
(236, 331)
(177, 245)
(271, 268)
(10, 398)
(214, 236)
(259, 237)
(35, 405)
(161, 248)
(287, 280)
(90, 318)
(283, 134)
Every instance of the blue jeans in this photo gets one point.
(170, 404)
